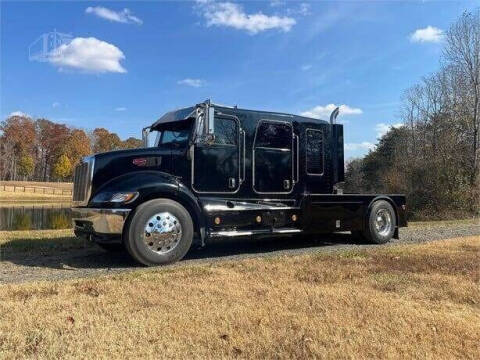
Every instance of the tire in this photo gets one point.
(111, 247)
(381, 223)
(159, 232)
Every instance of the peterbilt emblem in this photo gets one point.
(139, 162)
(150, 161)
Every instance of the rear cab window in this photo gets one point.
(315, 152)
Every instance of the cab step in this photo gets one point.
(234, 233)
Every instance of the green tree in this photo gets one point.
(25, 165)
(62, 168)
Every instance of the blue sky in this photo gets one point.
(126, 63)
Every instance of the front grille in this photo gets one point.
(82, 181)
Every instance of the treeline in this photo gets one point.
(434, 157)
(41, 150)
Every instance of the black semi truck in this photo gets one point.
(216, 171)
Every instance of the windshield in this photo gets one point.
(173, 134)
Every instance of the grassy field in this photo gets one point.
(39, 240)
(33, 191)
(384, 302)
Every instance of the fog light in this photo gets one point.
(259, 219)
(217, 220)
(294, 217)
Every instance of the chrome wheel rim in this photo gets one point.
(162, 233)
(383, 222)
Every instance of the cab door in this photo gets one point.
(216, 163)
(273, 157)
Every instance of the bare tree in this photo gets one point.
(462, 51)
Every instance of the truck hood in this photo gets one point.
(112, 164)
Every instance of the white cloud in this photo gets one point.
(304, 9)
(19, 113)
(428, 34)
(191, 82)
(359, 146)
(306, 67)
(89, 54)
(55, 104)
(323, 112)
(232, 15)
(121, 108)
(383, 128)
(124, 16)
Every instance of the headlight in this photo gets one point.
(120, 197)
(123, 197)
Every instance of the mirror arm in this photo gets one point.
(145, 132)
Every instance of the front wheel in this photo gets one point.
(381, 223)
(159, 232)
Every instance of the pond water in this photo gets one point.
(35, 216)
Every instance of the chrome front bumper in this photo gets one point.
(99, 221)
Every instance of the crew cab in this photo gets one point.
(216, 171)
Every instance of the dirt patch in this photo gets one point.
(57, 254)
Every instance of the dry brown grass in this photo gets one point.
(56, 185)
(35, 191)
(37, 241)
(406, 301)
(30, 196)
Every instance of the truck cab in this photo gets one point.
(216, 171)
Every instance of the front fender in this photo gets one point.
(152, 185)
(143, 182)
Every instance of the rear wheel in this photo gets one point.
(160, 232)
(381, 223)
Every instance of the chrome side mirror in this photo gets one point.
(145, 132)
(206, 126)
(211, 120)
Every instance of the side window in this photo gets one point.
(226, 131)
(314, 152)
(274, 135)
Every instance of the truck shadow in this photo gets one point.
(89, 256)
(235, 247)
